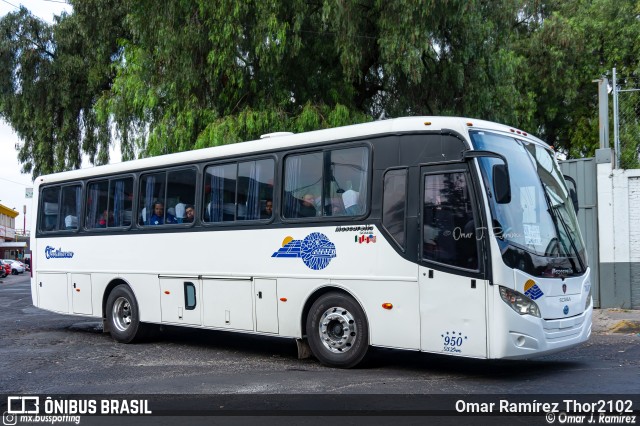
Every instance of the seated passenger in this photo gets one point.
(105, 220)
(157, 218)
(268, 210)
(189, 213)
(307, 206)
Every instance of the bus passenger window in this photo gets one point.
(347, 182)
(329, 183)
(303, 185)
(255, 189)
(70, 207)
(49, 209)
(152, 203)
(220, 193)
(448, 226)
(181, 191)
(97, 214)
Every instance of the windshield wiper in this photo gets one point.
(557, 217)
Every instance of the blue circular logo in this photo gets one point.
(566, 309)
(317, 251)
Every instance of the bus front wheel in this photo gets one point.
(123, 316)
(337, 330)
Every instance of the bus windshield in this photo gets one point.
(538, 229)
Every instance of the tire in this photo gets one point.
(123, 316)
(337, 330)
(14, 272)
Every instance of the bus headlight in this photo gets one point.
(519, 302)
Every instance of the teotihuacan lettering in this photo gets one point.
(53, 253)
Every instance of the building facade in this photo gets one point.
(11, 245)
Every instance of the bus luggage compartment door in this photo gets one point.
(52, 292)
(81, 294)
(227, 303)
(180, 300)
(266, 306)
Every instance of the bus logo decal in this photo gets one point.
(532, 290)
(315, 250)
(52, 253)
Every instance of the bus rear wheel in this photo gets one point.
(337, 330)
(123, 316)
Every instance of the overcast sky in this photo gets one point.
(13, 183)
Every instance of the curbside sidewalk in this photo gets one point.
(616, 320)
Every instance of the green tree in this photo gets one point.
(568, 43)
(201, 73)
(50, 78)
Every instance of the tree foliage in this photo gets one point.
(199, 73)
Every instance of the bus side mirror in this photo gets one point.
(501, 184)
(573, 193)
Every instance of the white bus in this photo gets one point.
(437, 234)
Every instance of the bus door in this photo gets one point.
(452, 285)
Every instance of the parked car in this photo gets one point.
(17, 267)
(5, 268)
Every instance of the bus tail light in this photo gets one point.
(519, 302)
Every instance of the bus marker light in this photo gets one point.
(469, 124)
(387, 306)
(427, 123)
(283, 299)
(78, 290)
(167, 292)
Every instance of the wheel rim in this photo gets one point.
(121, 313)
(338, 330)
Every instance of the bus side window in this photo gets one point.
(120, 201)
(219, 192)
(394, 204)
(49, 205)
(70, 207)
(255, 187)
(448, 226)
(181, 192)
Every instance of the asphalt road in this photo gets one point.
(43, 352)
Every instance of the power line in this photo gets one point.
(56, 1)
(10, 4)
(13, 181)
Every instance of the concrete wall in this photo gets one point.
(619, 235)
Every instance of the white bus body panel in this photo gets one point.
(231, 268)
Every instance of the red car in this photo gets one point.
(5, 268)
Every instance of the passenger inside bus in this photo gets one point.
(268, 210)
(307, 206)
(157, 218)
(189, 214)
(106, 219)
